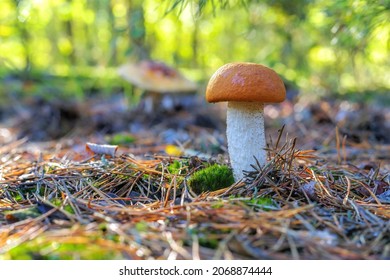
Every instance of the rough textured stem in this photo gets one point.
(245, 136)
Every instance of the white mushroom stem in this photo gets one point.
(245, 136)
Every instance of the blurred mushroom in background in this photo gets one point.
(165, 89)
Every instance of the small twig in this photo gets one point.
(348, 191)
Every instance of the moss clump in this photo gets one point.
(175, 167)
(211, 178)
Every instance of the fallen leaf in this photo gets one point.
(101, 149)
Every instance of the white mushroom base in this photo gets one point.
(245, 136)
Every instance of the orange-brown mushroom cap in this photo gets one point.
(246, 82)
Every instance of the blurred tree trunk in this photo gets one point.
(114, 38)
(69, 34)
(177, 58)
(90, 39)
(137, 31)
(195, 43)
(52, 30)
(21, 24)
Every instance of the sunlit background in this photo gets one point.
(321, 47)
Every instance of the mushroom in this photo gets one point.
(246, 87)
(161, 83)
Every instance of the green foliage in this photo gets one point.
(264, 203)
(206, 238)
(141, 226)
(22, 214)
(42, 249)
(211, 178)
(175, 167)
(121, 139)
(208, 242)
(218, 204)
(58, 202)
(17, 197)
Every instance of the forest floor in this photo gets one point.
(325, 193)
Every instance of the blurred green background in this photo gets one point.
(73, 47)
